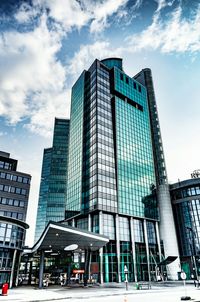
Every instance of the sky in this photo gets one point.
(46, 44)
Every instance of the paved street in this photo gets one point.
(168, 292)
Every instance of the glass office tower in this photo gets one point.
(114, 171)
(52, 196)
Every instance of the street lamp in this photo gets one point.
(193, 252)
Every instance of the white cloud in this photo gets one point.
(101, 12)
(26, 13)
(71, 14)
(177, 34)
(68, 13)
(163, 3)
(84, 57)
(32, 80)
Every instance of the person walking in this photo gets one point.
(62, 280)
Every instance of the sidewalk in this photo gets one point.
(106, 292)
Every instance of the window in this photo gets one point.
(12, 189)
(14, 178)
(18, 190)
(121, 76)
(6, 166)
(20, 216)
(23, 192)
(21, 204)
(6, 188)
(127, 80)
(19, 179)
(14, 215)
(134, 84)
(3, 201)
(8, 176)
(139, 88)
(16, 203)
(25, 180)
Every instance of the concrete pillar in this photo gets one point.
(89, 223)
(30, 272)
(133, 249)
(41, 269)
(158, 241)
(118, 246)
(167, 231)
(147, 247)
(73, 222)
(86, 266)
(18, 267)
(101, 249)
(13, 269)
(89, 265)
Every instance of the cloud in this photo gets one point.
(71, 14)
(102, 11)
(162, 4)
(85, 56)
(174, 34)
(32, 80)
(26, 12)
(34, 83)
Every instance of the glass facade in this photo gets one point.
(135, 165)
(111, 62)
(73, 200)
(52, 196)
(41, 220)
(111, 176)
(11, 236)
(186, 205)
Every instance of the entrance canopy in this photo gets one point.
(168, 260)
(59, 237)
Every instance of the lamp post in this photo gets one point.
(193, 252)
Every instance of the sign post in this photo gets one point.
(183, 277)
(126, 276)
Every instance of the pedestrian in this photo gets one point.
(62, 280)
(193, 278)
(47, 281)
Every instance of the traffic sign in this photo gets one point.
(183, 276)
(125, 269)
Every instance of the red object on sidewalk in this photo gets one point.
(5, 289)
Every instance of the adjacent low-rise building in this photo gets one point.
(14, 193)
(185, 196)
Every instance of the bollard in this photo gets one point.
(183, 277)
(4, 289)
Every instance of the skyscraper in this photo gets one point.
(14, 193)
(52, 196)
(117, 182)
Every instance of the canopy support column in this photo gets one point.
(41, 269)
